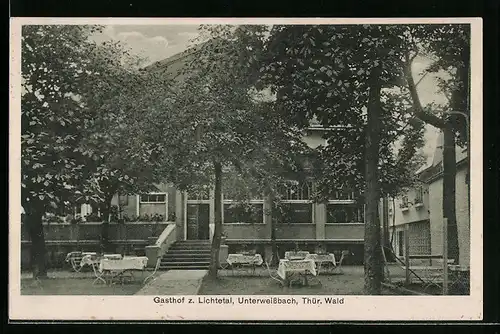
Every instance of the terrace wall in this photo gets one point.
(62, 238)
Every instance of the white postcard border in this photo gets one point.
(381, 308)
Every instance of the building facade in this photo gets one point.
(337, 223)
(421, 208)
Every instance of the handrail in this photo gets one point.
(166, 236)
(211, 228)
(164, 241)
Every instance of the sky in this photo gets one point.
(157, 42)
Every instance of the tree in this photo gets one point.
(340, 75)
(449, 46)
(221, 123)
(126, 152)
(52, 163)
(82, 138)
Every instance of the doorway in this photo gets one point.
(401, 243)
(198, 220)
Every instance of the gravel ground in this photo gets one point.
(65, 282)
(241, 282)
(174, 282)
(77, 286)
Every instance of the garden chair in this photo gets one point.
(338, 268)
(157, 266)
(273, 272)
(74, 259)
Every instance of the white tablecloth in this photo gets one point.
(112, 256)
(322, 258)
(126, 263)
(298, 266)
(292, 255)
(244, 259)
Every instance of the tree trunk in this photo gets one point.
(35, 227)
(106, 215)
(453, 123)
(216, 240)
(449, 159)
(373, 251)
(274, 214)
(274, 245)
(449, 209)
(387, 238)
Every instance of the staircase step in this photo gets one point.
(188, 249)
(184, 268)
(194, 242)
(191, 245)
(188, 254)
(185, 256)
(187, 263)
(186, 259)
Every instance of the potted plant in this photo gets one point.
(223, 238)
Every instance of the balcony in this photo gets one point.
(403, 207)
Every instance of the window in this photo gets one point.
(343, 195)
(202, 194)
(243, 213)
(419, 197)
(153, 198)
(123, 199)
(420, 234)
(337, 213)
(296, 205)
(401, 241)
(299, 213)
(404, 202)
(295, 191)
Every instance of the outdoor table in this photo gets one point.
(243, 259)
(112, 256)
(322, 259)
(296, 255)
(116, 268)
(287, 269)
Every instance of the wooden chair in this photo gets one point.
(272, 272)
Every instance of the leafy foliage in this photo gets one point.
(323, 72)
(82, 108)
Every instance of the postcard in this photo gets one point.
(169, 169)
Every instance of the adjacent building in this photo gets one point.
(421, 208)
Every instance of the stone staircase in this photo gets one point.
(187, 254)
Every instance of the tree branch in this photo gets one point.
(418, 111)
